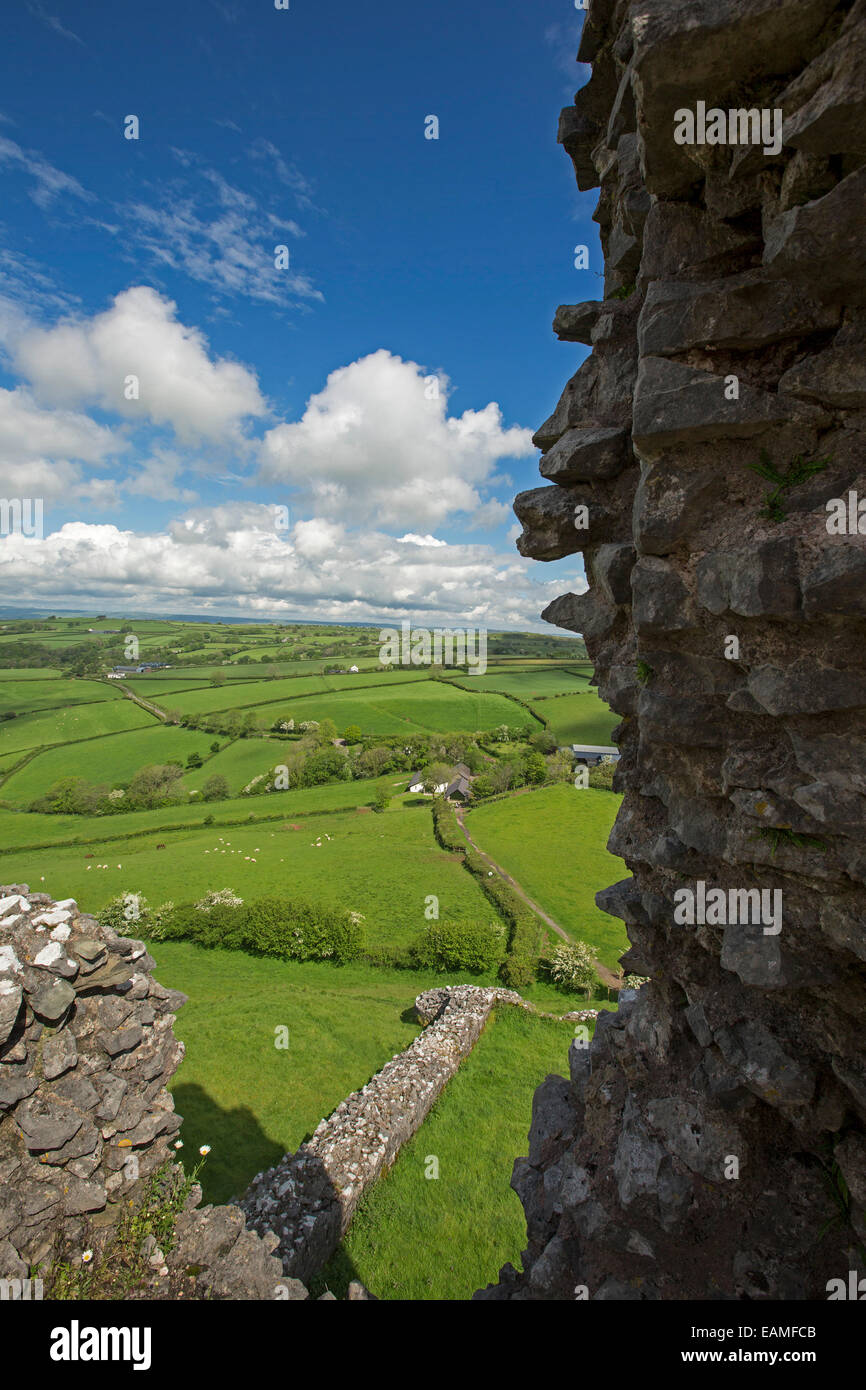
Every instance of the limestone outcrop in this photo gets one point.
(712, 1141)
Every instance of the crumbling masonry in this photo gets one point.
(711, 1144)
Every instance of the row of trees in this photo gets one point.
(160, 784)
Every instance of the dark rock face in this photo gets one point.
(694, 1150)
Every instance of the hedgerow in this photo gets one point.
(290, 929)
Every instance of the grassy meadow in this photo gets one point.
(70, 724)
(24, 697)
(381, 865)
(581, 718)
(552, 841)
(418, 1237)
(110, 759)
(529, 685)
(253, 1102)
(29, 830)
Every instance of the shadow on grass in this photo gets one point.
(335, 1277)
(239, 1146)
(239, 1150)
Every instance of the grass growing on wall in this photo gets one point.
(415, 1237)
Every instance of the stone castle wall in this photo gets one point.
(731, 336)
(86, 1051)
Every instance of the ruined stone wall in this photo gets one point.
(86, 1050)
(711, 1143)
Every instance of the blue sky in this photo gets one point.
(209, 432)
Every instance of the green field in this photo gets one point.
(8, 760)
(236, 1091)
(237, 694)
(583, 718)
(110, 760)
(71, 724)
(251, 1101)
(26, 696)
(528, 685)
(233, 671)
(415, 1237)
(239, 763)
(381, 865)
(23, 673)
(22, 829)
(552, 841)
(151, 687)
(419, 707)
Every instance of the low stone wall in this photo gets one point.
(309, 1198)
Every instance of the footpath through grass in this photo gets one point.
(552, 841)
(420, 1237)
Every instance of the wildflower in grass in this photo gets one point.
(178, 1143)
(205, 1149)
(86, 1257)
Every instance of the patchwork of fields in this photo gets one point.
(249, 1100)
(112, 759)
(70, 724)
(424, 707)
(25, 830)
(50, 693)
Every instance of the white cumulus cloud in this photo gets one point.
(378, 444)
(238, 559)
(88, 361)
